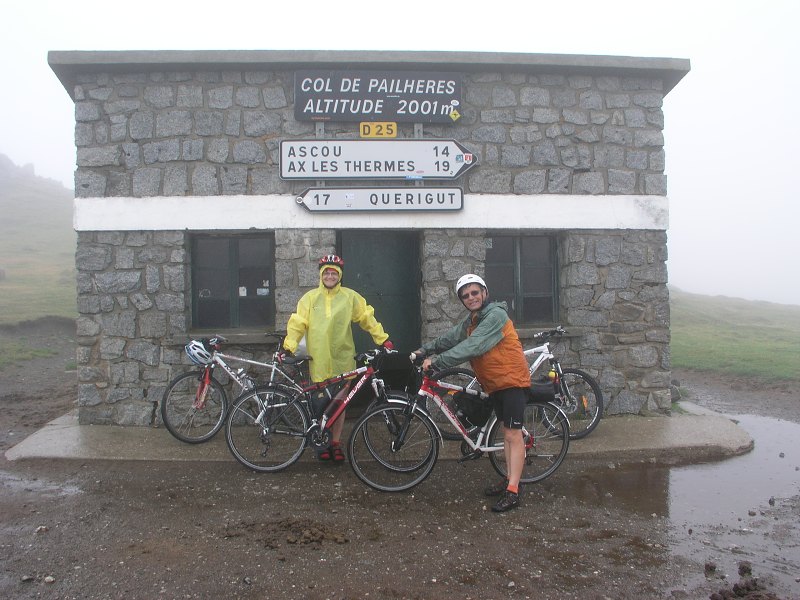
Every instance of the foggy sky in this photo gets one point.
(730, 130)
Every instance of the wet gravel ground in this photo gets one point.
(103, 529)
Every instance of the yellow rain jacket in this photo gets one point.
(325, 316)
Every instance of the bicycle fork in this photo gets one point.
(399, 429)
(202, 390)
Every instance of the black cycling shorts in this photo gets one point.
(509, 406)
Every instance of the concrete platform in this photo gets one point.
(698, 436)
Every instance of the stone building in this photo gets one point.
(208, 184)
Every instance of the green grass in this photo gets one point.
(16, 352)
(734, 336)
(37, 250)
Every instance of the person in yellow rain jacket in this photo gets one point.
(324, 316)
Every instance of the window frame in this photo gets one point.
(233, 270)
(516, 308)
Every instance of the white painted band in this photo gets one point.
(490, 211)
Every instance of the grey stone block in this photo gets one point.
(146, 182)
(173, 123)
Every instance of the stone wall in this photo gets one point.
(613, 299)
(614, 289)
(218, 132)
(132, 299)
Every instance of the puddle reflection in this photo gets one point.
(744, 508)
(721, 493)
(721, 511)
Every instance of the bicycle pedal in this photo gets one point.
(471, 456)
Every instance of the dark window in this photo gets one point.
(521, 270)
(232, 281)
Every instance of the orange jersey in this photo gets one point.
(504, 366)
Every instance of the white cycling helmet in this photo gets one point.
(470, 278)
(198, 353)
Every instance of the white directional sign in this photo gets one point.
(381, 199)
(374, 159)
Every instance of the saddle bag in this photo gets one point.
(544, 391)
(472, 408)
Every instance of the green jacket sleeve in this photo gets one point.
(448, 339)
(486, 335)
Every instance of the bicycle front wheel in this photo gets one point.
(391, 449)
(581, 400)
(266, 430)
(192, 411)
(546, 437)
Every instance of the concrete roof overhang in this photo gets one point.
(68, 65)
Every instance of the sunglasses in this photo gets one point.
(473, 293)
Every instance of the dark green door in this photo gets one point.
(383, 266)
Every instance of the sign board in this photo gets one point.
(399, 96)
(374, 159)
(381, 199)
(377, 129)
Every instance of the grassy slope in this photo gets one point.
(730, 335)
(37, 249)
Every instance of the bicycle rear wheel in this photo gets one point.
(581, 400)
(192, 411)
(546, 442)
(266, 430)
(457, 376)
(391, 449)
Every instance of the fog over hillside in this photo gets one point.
(10, 172)
(30, 201)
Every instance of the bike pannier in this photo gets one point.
(472, 408)
(542, 391)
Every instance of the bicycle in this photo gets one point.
(194, 405)
(577, 392)
(395, 446)
(269, 427)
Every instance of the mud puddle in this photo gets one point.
(39, 487)
(746, 508)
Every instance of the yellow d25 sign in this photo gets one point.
(377, 129)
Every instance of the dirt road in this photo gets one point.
(95, 529)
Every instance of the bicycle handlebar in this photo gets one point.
(370, 355)
(545, 335)
(292, 359)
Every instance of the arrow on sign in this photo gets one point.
(381, 199)
(374, 159)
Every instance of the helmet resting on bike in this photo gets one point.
(470, 278)
(198, 353)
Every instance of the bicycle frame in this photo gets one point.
(243, 380)
(427, 390)
(542, 353)
(364, 373)
(395, 447)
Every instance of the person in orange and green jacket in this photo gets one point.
(487, 338)
(324, 316)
